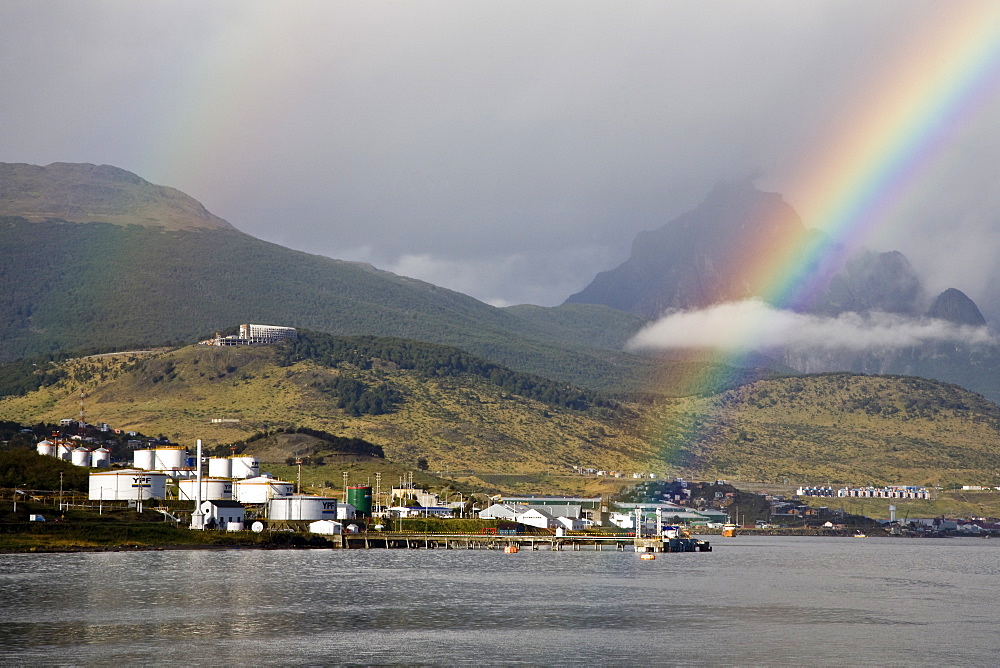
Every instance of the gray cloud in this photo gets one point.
(510, 150)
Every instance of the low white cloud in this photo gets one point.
(754, 325)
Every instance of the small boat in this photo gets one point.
(860, 534)
(511, 549)
(647, 556)
(728, 530)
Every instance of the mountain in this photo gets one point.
(953, 305)
(465, 413)
(706, 256)
(703, 257)
(97, 257)
(84, 193)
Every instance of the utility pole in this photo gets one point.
(60, 490)
(298, 462)
(378, 487)
(345, 486)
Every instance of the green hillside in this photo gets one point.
(840, 428)
(67, 286)
(474, 418)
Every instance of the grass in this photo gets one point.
(811, 430)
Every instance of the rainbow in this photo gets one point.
(900, 129)
(903, 126)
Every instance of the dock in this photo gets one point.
(414, 541)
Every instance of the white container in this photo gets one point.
(260, 489)
(64, 451)
(80, 457)
(212, 489)
(302, 507)
(100, 458)
(46, 448)
(127, 485)
(144, 459)
(245, 466)
(170, 457)
(220, 467)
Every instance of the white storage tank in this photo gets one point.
(64, 451)
(170, 457)
(220, 467)
(100, 458)
(47, 448)
(144, 459)
(127, 485)
(260, 489)
(212, 489)
(245, 466)
(302, 507)
(80, 457)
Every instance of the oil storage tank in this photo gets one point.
(212, 489)
(260, 489)
(245, 466)
(100, 458)
(170, 457)
(127, 485)
(302, 507)
(46, 448)
(220, 467)
(360, 496)
(144, 459)
(80, 457)
(64, 451)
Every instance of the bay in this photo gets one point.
(752, 601)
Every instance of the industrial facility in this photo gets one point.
(71, 451)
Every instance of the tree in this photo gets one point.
(422, 464)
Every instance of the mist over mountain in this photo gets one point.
(696, 276)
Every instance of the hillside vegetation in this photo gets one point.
(469, 416)
(68, 286)
(841, 428)
(454, 419)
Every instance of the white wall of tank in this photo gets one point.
(220, 467)
(302, 507)
(127, 485)
(212, 489)
(260, 489)
(170, 457)
(80, 457)
(245, 466)
(144, 459)
(100, 458)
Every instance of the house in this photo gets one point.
(220, 514)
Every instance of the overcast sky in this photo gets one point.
(508, 150)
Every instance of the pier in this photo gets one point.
(413, 541)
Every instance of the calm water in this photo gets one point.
(753, 601)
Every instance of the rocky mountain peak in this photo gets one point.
(955, 306)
